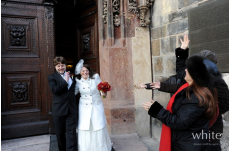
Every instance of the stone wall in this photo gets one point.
(124, 61)
(169, 24)
(141, 73)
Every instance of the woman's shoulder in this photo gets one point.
(193, 99)
(77, 80)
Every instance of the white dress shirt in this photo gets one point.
(69, 82)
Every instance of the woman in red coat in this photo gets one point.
(186, 118)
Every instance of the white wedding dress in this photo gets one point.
(91, 140)
(92, 130)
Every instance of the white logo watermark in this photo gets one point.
(204, 135)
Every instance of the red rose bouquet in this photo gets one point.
(104, 87)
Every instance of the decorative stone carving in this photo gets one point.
(132, 6)
(142, 15)
(17, 35)
(149, 3)
(104, 12)
(20, 92)
(142, 10)
(116, 20)
(116, 7)
(86, 42)
(116, 12)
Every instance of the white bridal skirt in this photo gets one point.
(89, 140)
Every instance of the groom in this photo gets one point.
(64, 108)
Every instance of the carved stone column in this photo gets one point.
(121, 54)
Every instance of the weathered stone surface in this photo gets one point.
(141, 116)
(141, 61)
(107, 112)
(169, 6)
(131, 21)
(120, 63)
(225, 137)
(184, 3)
(150, 143)
(170, 65)
(123, 128)
(225, 76)
(122, 115)
(177, 27)
(177, 15)
(168, 45)
(178, 40)
(35, 143)
(181, 14)
(156, 128)
(164, 19)
(160, 78)
(123, 121)
(159, 32)
(226, 116)
(157, 13)
(156, 47)
(128, 142)
(158, 65)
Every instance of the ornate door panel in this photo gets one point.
(87, 33)
(27, 35)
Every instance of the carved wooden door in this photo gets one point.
(27, 51)
(87, 33)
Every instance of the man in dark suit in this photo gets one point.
(64, 108)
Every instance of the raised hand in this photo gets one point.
(67, 76)
(147, 105)
(185, 43)
(155, 85)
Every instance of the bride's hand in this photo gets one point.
(104, 93)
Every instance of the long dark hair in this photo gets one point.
(207, 97)
(91, 72)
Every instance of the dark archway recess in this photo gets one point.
(76, 32)
(64, 31)
(86, 33)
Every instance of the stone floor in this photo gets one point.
(34, 143)
(128, 142)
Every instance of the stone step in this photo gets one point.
(128, 142)
(151, 144)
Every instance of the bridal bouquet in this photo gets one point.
(104, 87)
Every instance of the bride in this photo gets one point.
(92, 131)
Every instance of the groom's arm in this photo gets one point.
(56, 87)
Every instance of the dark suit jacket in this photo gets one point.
(63, 99)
